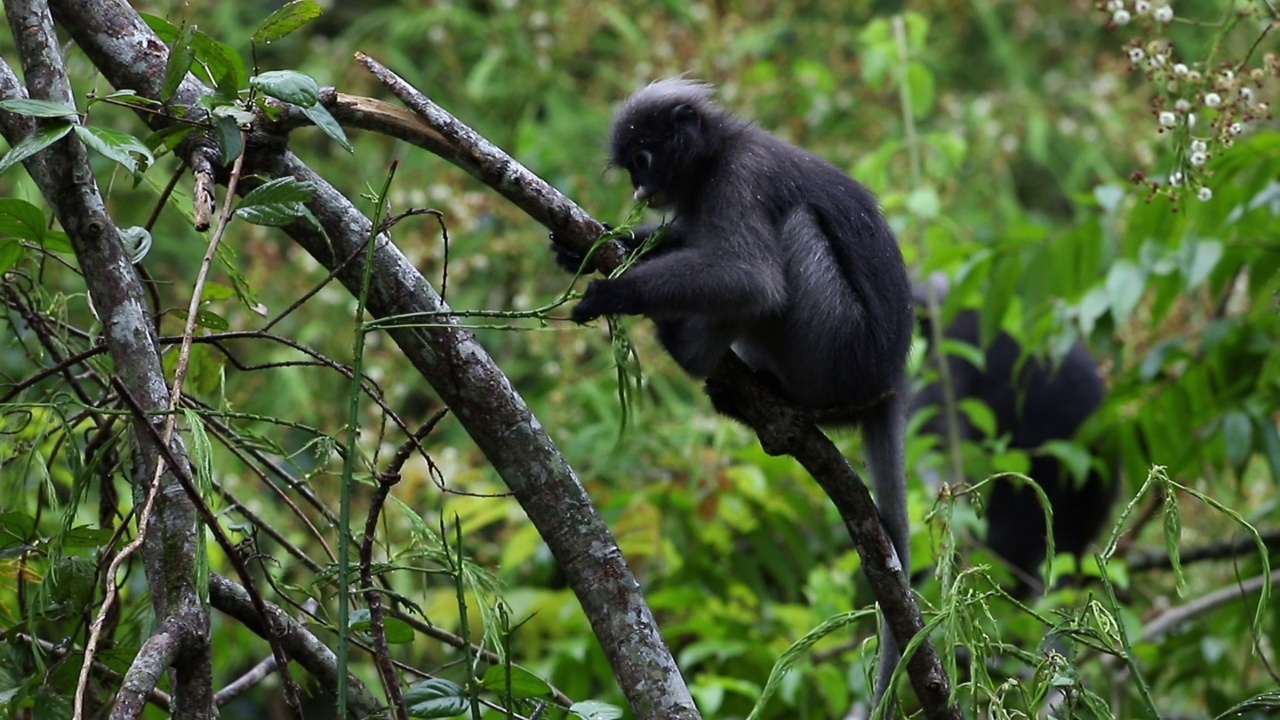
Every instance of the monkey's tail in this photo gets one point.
(884, 439)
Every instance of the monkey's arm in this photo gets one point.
(690, 281)
(570, 260)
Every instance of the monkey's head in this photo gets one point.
(664, 136)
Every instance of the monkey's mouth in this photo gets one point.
(656, 198)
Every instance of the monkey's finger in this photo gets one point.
(582, 313)
(567, 258)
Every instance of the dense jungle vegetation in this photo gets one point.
(1080, 171)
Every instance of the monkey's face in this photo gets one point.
(646, 176)
(660, 144)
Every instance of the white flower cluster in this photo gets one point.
(1121, 15)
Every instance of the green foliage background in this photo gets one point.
(1002, 138)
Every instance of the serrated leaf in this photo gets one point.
(38, 108)
(290, 86)
(436, 698)
(20, 219)
(287, 19)
(319, 115)
(271, 215)
(523, 683)
(34, 143)
(118, 147)
(181, 54)
(280, 190)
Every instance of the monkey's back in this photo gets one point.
(842, 337)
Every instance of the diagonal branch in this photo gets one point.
(782, 430)
(129, 55)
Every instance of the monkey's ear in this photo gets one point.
(684, 113)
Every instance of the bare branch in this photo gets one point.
(299, 643)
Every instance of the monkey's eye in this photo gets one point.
(641, 159)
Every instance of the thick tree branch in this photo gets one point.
(169, 551)
(782, 430)
(129, 55)
(298, 642)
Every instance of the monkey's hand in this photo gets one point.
(725, 399)
(567, 258)
(606, 297)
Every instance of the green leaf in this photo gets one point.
(38, 108)
(11, 252)
(924, 202)
(1125, 284)
(1074, 457)
(1237, 434)
(287, 19)
(125, 97)
(398, 632)
(166, 139)
(220, 65)
(921, 88)
(319, 115)
(1199, 259)
(276, 203)
(524, 684)
(229, 139)
(204, 373)
(288, 85)
(216, 292)
(181, 54)
(980, 415)
(436, 698)
(206, 319)
(87, 537)
(20, 219)
(16, 525)
(34, 143)
(1108, 197)
(117, 146)
(595, 710)
(57, 241)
